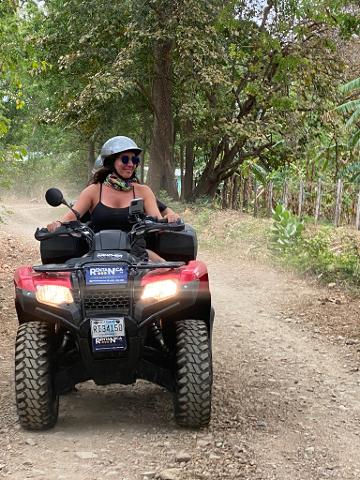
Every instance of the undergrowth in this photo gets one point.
(328, 252)
(332, 254)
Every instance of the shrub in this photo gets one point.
(286, 229)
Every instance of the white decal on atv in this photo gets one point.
(112, 255)
(106, 270)
(106, 341)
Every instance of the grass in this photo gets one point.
(331, 254)
(4, 212)
(219, 230)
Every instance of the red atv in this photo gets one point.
(95, 310)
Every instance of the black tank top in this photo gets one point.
(108, 218)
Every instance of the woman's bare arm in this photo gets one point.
(150, 204)
(82, 205)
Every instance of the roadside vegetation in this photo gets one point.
(332, 254)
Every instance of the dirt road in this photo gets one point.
(286, 400)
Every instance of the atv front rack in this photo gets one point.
(55, 267)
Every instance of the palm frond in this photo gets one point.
(354, 118)
(355, 140)
(259, 172)
(349, 107)
(352, 171)
(350, 86)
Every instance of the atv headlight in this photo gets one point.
(160, 290)
(53, 294)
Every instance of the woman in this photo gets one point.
(166, 212)
(114, 186)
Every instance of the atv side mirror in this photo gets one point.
(136, 207)
(54, 197)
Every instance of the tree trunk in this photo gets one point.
(189, 162)
(208, 183)
(161, 164)
(141, 171)
(91, 157)
(182, 171)
(214, 173)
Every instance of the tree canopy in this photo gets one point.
(204, 86)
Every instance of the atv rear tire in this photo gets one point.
(193, 374)
(36, 400)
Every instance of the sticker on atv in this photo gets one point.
(108, 334)
(106, 275)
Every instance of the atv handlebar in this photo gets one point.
(164, 224)
(156, 220)
(66, 228)
(72, 228)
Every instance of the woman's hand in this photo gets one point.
(172, 217)
(53, 226)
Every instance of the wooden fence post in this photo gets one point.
(301, 198)
(339, 190)
(285, 198)
(241, 193)
(255, 197)
(236, 190)
(270, 198)
(245, 201)
(224, 200)
(357, 224)
(230, 192)
(318, 201)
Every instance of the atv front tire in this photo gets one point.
(193, 374)
(36, 400)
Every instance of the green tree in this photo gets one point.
(17, 63)
(206, 85)
(281, 66)
(11, 64)
(352, 107)
(117, 68)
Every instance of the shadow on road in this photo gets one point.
(137, 407)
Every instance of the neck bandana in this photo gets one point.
(118, 183)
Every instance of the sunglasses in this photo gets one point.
(126, 159)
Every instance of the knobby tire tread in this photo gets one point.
(37, 403)
(193, 374)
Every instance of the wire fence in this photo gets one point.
(337, 203)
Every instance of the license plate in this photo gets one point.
(106, 275)
(108, 334)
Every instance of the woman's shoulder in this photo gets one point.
(91, 189)
(142, 189)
